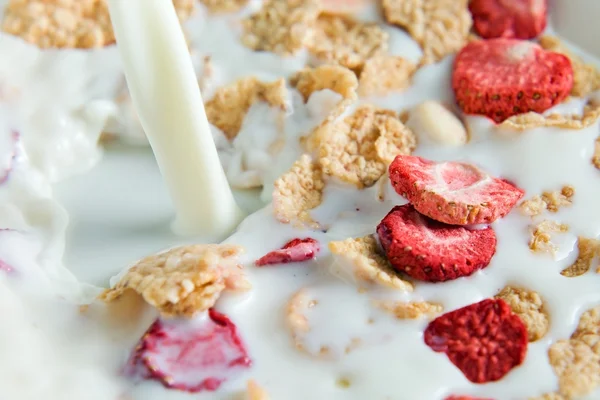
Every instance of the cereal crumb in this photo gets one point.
(297, 192)
(576, 361)
(552, 201)
(596, 155)
(281, 26)
(333, 77)
(410, 310)
(342, 40)
(255, 392)
(528, 305)
(358, 148)
(185, 280)
(586, 78)
(532, 120)
(228, 107)
(542, 234)
(588, 250)
(67, 24)
(384, 74)
(224, 6)
(441, 27)
(368, 264)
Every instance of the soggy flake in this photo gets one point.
(297, 192)
(342, 40)
(588, 250)
(576, 361)
(358, 148)
(224, 6)
(532, 120)
(528, 305)
(552, 201)
(541, 236)
(367, 263)
(441, 27)
(67, 23)
(384, 74)
(333, 77)
(281, 26)
(410, 310)
(298, 325)
(586, 77)
(255, 392)
(185, 280)
(228, 107)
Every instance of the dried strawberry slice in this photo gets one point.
(521, 19)
(500, 78)
(484, 340)
(295, 250)
(191, 355)
(430, 251)
(451, 192)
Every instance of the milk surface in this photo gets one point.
(72, 218)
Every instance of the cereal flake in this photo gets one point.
(333, 77)
(80, 24)
(586, 78)
(588, 250)
(224, 6)
(297, 192)
(528, 305)
(576, 361)
(255, 392)
(542, 234)
(358, 148)
(367, 262)
(384, 74)
(342, 40)
(228, 107)
(441, 27)
(185, 280)
(552, 201)
(410, 310)
(532, 120)
(281, 26)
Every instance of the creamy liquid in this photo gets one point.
(120, 210)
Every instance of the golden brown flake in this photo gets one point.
(552, 201)
(384, 74)
(588, 250)
(297, 192)
(333, 77)
(255, 392)
(532, 120)
(441, 27)
(185, 280)
(228, 107)
(542, 234)
(528, 305)
(359, 148)
(586, 77)
(367, 264)
(67, 23)
(576, 361)
(281, 26)
(224, 6)
(339, 39)
(410, 310)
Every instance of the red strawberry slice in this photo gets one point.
(191, 356)
(430, 251)
(296, 250)
(521, 19)
(484, 340)
(451, 192)
(500, 78)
